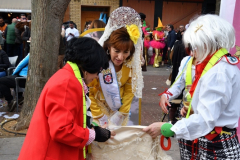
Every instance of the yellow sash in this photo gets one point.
(188, 79)
(78, 76)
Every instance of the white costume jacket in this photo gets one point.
(215, 102)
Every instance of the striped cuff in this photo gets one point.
(91, 136)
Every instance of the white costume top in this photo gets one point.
(74, 31)
(179, 85)
(215, 102)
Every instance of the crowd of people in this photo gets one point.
(15, 42)
(14, 36)
(102, 76)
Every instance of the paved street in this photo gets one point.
(154, 83)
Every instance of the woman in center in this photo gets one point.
(111, 95)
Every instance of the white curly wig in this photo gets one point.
(207, 34)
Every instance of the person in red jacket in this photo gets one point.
(61, 123)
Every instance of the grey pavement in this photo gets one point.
(161, 71)
(10, 148)
(154, 83)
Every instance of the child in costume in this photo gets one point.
(214, 93)
(112, 93)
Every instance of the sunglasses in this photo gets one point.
(189, 49)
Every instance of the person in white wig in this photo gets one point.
(215, 93)
(111, 95)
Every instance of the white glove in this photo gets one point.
(117, 119)
(103, 120)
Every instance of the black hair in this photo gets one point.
(87, 54)
(29, 17)
(22, 15)
(6, 21)
(87, 23)
(1, 17)
(171, 26)
(70, 22)
(142, 15)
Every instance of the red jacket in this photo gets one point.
(55, 131)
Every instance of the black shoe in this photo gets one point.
(12, 105)
(20, 100)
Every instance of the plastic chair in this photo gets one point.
(18, 89)
(13, 61)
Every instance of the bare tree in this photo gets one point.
(47, 18)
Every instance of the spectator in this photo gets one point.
(10, 36)
(9, 82)
(63, 31)
(87, 25)
(2, 25)
(170, 40)
(180, 32)
(166, 47)
(29, 18)
(19, 40)
(97, 24)
(144, 67)
(4, 63)
(6, 21)
(179, 52)
(23, 18)
(1, 39)
(143, 17)
(71, 31)
(26, 34)
(62, 48)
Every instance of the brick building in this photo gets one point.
(80, 11)
(176, 12)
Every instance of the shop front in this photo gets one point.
(12, 9)
(81, 11)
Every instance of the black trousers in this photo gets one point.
(164, 53)
(9, 82)
(11, 50)
(19, 52)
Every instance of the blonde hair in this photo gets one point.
(207, 34)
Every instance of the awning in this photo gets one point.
(20, 6)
